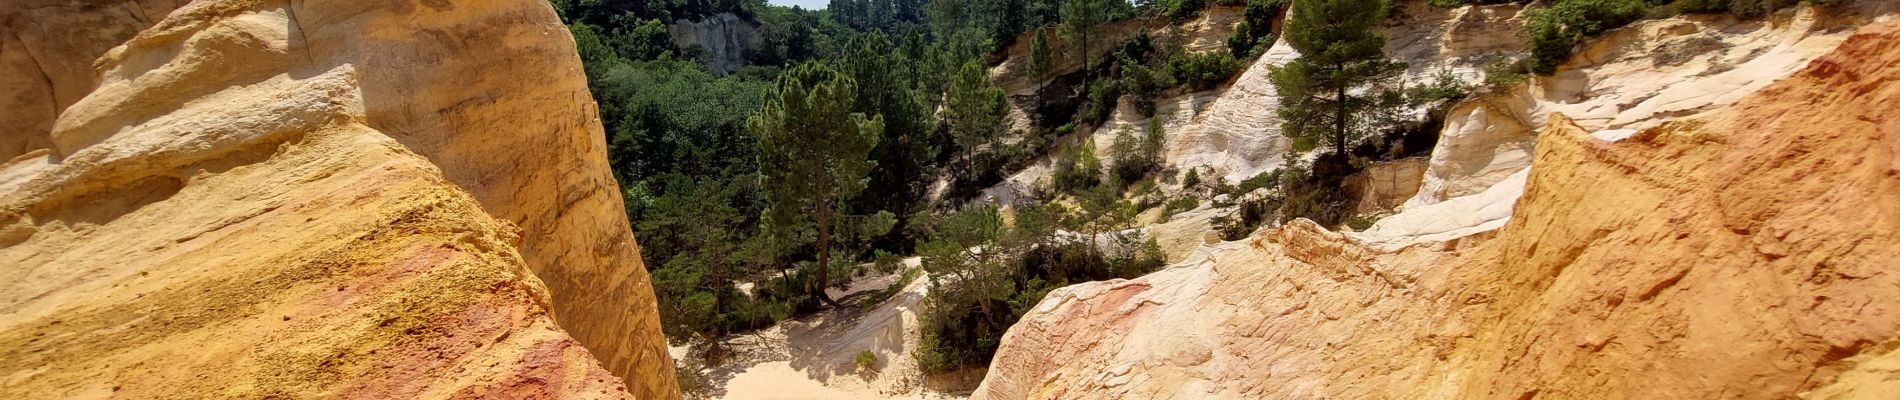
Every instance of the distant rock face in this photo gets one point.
(335, 199)
(1746, 252)
(725, 37)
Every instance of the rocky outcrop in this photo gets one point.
(354, 198)
(724, 37)
(1632, 78)
(1382, 187)
(1742, 253)
(46, 53)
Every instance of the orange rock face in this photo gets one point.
(365, 199)
(1746, 253)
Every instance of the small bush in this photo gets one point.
(1445, 86)
(691, 382)
(1555, 31)
(1203, 71)
(1741, 8)
(1178, 205)
(1268, 180)
(867, 360)
(1076, 168)
(976, 296)
(1255, 30)
(1102, 96)
(1244, 221)
(1360, 223)
(1142, 86)
(1182, 10)
(1502, 72)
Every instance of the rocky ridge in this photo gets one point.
(1745, 256)
(256, 198)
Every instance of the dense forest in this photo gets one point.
(818, 156)
(854, 136)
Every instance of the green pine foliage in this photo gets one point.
(976, 295)
(1203, 71)
(1555, 31)
(813, 155)
(1335, 91)
(1254, 33)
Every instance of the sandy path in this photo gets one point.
(814, 357)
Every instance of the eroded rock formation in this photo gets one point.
(1746, 252)
(255, 198)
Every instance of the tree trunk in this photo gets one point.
(822, 280)
(1085, 63)
(1339, 123)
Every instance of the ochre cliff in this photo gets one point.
(1746, 252)
(247, 198)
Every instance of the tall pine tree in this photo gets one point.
(812, 157)
(975, 113)
(1079, 20)
(904, 155)
(1331, 93)
(1041, 64)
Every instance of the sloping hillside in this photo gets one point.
(1745, 255)
(334, 199)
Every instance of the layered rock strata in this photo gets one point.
(1744, 253)
(256, 198)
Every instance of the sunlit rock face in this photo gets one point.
(1743, 252)
(257, 198)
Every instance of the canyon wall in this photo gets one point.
(1744, 252)
(245, 198)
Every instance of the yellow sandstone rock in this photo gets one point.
(340, 198)
(1744, 253)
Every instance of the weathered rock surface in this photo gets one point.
(1747, 252)
(1384, 186)
(724, 37)
(256, 198)
(46, 59)
(1632, 78)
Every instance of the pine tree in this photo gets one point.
(1041, 63)
(812, 156)
(975, 111)
(904, 157)
(1340, 54)
(1079, 20)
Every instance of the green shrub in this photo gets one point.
(1076, 168)
(1178, 205)
(1742, 8)
(691, 381)
(1359, 223)
(1268, 180)
(1247, 218)
(1101, 104)
(866, 360)
(1555, 31)
(1137, 156)
(1445, 86)
(1181, 10)
(1142, 87)
(1255, 30)
(976, 296)
(1203, 71)
(1503, 72)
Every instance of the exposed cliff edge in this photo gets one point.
(1747, 254)
(331, 199)
(724, 37)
